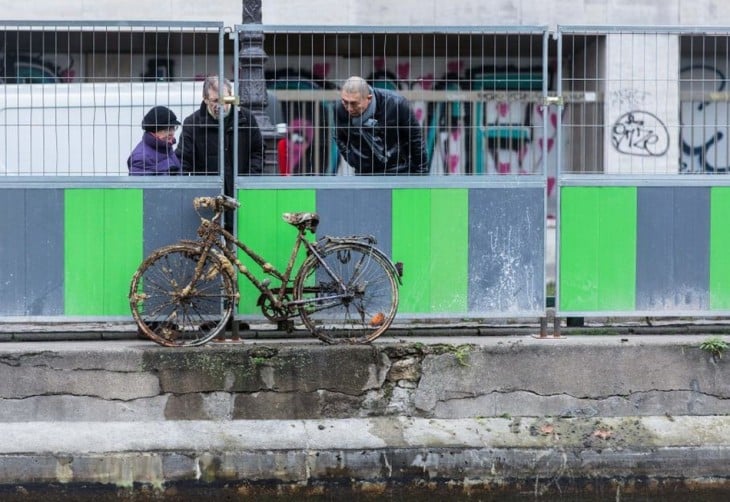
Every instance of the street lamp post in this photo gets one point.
(251, 81)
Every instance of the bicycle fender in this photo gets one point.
(367, 240)
(396, 268)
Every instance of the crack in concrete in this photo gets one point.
(17, 360)
(473, 395)
(66, 394)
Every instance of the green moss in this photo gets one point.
(462, 354)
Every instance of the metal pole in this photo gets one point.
(251, 81)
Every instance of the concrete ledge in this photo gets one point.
(449, 377)
(471, 454)
(125, 330)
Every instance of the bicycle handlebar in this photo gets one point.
(217, 203)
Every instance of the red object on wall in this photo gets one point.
(283, 154)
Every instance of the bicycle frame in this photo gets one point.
(210, 232)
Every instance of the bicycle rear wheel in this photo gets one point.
(357, 305)
(171, 308)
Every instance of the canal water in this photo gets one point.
(416, 492)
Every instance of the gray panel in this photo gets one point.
(31, 252)
(12, 252)
(45, 251)
(506, 250)
(672, 255)
(356, 212)
(169, 215)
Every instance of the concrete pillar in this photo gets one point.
(642, 103)
(251, 82)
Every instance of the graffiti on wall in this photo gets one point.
(628, 98)
(640, 133)
(704, 123)
(31, 68)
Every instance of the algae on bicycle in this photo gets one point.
(184, 294)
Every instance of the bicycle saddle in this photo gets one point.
(308, 221)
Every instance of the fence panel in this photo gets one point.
(72, 103)
(469, 249)
(74, 94)
(472, 232)
(642, 195)
(69, 252)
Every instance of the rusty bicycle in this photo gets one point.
(344, 291)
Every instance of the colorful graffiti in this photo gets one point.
(27, 68)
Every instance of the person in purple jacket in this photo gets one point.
(155, 154)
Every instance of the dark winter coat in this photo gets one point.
(198, 147)
(153, 156)
(390, 142)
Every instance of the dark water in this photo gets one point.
(664, 491)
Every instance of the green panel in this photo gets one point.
(83, 254)
(261, 227)
(411, 245)
(719, 246)
(449, 250)
(430, 237)
(597, 248)
(578, 248)
(102, 248)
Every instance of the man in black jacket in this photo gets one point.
(377, 132)
(199, 141)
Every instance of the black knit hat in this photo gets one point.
(159, 118)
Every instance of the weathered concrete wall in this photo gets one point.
(596, 376)
(380, 458)
(428, 418)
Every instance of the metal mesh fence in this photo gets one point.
(475, 97)
(644, 101)
(74, 95)
(637, 101)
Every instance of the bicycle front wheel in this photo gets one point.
(354, 301)
(175, 307)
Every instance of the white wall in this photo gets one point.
(641, 103)
(496, 12)
(386, 12)
(227, 11)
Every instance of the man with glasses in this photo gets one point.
(199, 141)
(377, 133)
